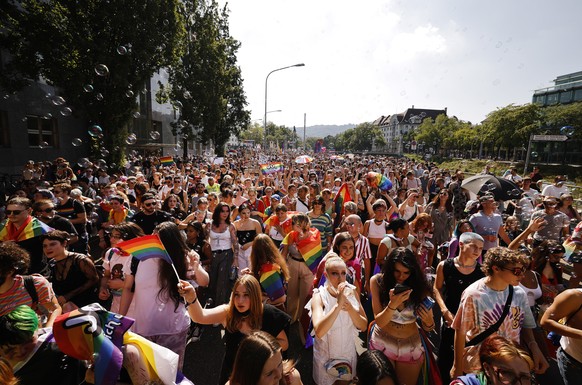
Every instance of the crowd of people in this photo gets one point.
(321, 247)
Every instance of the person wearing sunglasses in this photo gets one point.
(44, 210)
(149, 217)
(25, 230)
(557, 226)
(502, 363)
(482, 305)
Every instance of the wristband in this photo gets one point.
(388, 306)
(190, 303)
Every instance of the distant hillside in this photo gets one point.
(321, 131)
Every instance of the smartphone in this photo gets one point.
(399, 288)
(428, 303)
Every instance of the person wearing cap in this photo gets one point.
(556, 189)
(557, 223)
(488, 223)
(275, 200)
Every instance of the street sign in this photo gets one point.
(550, 138)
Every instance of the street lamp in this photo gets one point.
(266, 84)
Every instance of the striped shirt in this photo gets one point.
(18, 295)
(323, 224)
(363, 249)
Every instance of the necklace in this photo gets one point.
(458, 262)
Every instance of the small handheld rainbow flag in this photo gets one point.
(272, 280)
(310, 247)
(342, 196)
(271, 168)
(146, 247)
(166, 161)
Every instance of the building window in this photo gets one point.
(4, 132)
(578, 95)
(553, 99)
(566, 97)
(42, 132)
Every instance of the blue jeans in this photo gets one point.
(570, 369)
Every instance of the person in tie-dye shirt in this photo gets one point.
(482, 304)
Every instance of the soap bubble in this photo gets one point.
(155, 135)
(77, 142)
(24, 119)
(534, 154)
(131, 139)
(122, 50)
(99, 96)
(84, 163)
(43, 145)
(58, 100)
(88, 88)
(66, 111)
(178, 104)
(136, 114)
(129, 93)
(101, 70)
(95, 131)
(104, 152)
(48, 115)
(187, 95)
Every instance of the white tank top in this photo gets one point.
(220, 241)
(377, 231)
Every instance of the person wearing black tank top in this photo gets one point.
(453, 276)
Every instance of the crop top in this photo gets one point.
(404, 317)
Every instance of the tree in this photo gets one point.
(97, 53)
(565, 115)
(206, 84)
(510, 127)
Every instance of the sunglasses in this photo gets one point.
(50, 210)
(57, 191)
(13, 212)
(149, 204)
(517, 271)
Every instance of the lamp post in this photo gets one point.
(266, 84)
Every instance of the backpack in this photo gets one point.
(31, 289)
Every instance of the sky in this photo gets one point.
(368, 58)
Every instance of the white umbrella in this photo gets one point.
(303, 159)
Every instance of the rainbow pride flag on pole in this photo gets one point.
(271, 168)
(146, 247)
(272, 281)
(342, 196)
(310, 247)
(167, 161)
(33, 228)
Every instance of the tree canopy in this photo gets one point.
(206, 85)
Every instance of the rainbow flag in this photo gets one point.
(166, 161)
(375, 179)
(271, 168)
(310, 247)
(146, 247)
(342, 196)
(33, 228)
(272, 281)
(92, 333)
